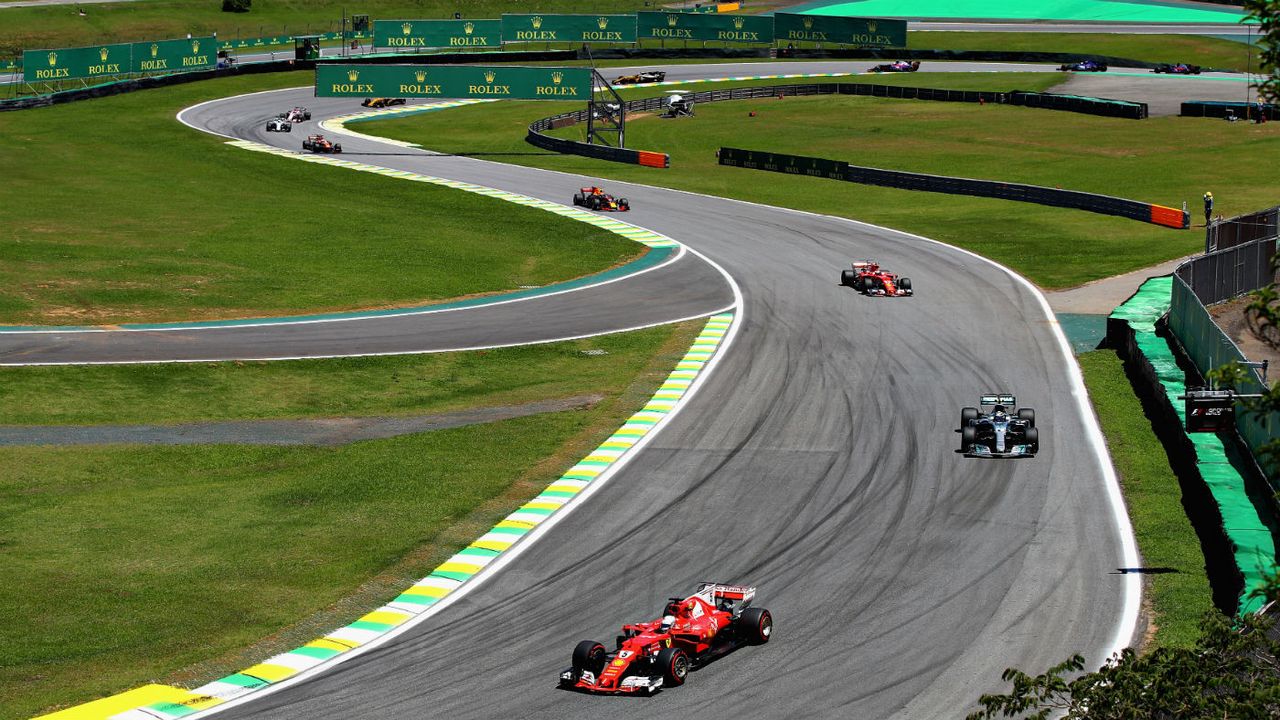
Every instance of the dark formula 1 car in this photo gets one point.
(382, 102)
(1177, 69)
(594, 198)
(279, 124)
(640, 78)
(899, 66)
(867, 278)
(1084, 66)
(712, 622)
(297, 115)
(319, 144)
(993, 432)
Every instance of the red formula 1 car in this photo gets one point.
(593, 198)
(319, 144)
(867, 278)
(713, 621)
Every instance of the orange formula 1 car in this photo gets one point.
(714, 621)
(867, 278)
(593, 198)
(319, 144)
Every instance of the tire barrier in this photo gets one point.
(1216, 109)
(1080, 104)
(840, 170)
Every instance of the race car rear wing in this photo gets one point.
(722, 591)
(997, 399)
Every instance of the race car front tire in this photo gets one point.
(968, 438)
(674, 664)
(904, 283)
(1027, 414)
(589, 655)
(756, 625)
(967, 414)
(624, 204)
(1033, 439)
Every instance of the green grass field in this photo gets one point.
(1165, 160)
(111, 211)
(1193, 49)
(185, 564)
(1175, 600)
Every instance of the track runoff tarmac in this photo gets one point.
(817, 462)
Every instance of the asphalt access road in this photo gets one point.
(817, 462)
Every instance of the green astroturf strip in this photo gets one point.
(1252, 543)
(1095, 10)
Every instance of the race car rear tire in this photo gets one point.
(968, 438)
(1033, 439)
(756, 625)
(848, 278)
(593, 202)
(674, 664)
(579, 199)
(967, 414)
(589, 655)
(904, 283)
(1027, 414)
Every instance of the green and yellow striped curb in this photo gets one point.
(445, 579)
(645, 237)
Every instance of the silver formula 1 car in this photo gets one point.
(993, 432)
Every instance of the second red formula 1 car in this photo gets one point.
(712, 622)
(1177, 69)
(867, 278)
(594, 198)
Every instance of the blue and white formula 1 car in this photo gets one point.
(993, 432)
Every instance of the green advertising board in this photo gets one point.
(861, 32)
(454, 81)
(99, 61)
(175, 55)
(568, 28)
(437, 33)
(698, 26)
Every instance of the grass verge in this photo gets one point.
(1192, 49)
(1055, 247)
(111, 211)
(187, 563)
(1175, 599)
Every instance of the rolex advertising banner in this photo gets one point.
(437, 33)
(697, 26)
(861, 32)
(568, 28)
(99, 61)
(453, 81)
(175, 55)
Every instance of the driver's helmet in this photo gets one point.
(667, 622)
(999, 410)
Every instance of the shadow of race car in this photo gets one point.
(712, 622)
(1176, 69)
(320, 144)
(382, 102)
(1084, 66)
(899, 66)
(992, 432)
(640, 78)
(594, 198)
(867, 278)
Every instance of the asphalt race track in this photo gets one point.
(817, 462)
